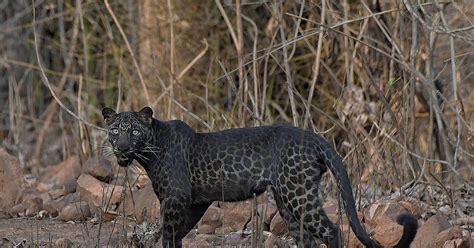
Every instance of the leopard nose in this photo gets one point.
(123, 149)
(123, 145)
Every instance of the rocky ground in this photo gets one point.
(68, 205)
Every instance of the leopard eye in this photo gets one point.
(114, 131)
(135, 132)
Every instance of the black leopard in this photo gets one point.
(190, 170)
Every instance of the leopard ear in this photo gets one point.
(146, 115)
(108, 114)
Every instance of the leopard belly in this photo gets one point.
(231, 172)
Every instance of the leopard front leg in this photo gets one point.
(187, 219)
(194, 214)
(173, 212)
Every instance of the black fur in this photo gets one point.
(190, 170)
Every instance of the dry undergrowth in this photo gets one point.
(389, 83)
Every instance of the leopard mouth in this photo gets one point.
(124, 160)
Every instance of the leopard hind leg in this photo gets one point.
(300, 198)
(318, 223)
(315, 219)
(301, 236)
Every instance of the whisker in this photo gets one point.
(150, 145)
(150, 148)
(108, 155)
(106, 151)
(141, 156)
(152, 151)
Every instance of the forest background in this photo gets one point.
(389, 83)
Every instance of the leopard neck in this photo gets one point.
(150, 157)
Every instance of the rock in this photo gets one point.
(11, 181)
(30, 181)
(410, 207)
(142, 181)
(383, 215)
(262, 199)
(334, 218)
(56, 193)
(234, 238)
(142, 198)
(63, 174)
(55, 206)
(212, 218)
(31, 204)
(278, 225)
(43, 187)
(18, 209)
(210, 238)
(110, 215)
(196, 243)
(63, 243)
(34, 205)
(349, 237)
(454, 232)
(98, 193)
(330, 207)
(236, 214)
(271, 242)
(70, 198)
(332, 211)
(75, 212)
(206, 229)
(457, 243)
(118, 180)
(45, 197)
(50, 208)
(337, 219)
(388, 232)
(99, 167)
(270, 210)
(223, 230)
(446, 209)
(383, 212)
(428, 232)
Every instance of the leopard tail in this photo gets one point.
(409, 222)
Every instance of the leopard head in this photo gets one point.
(128, 132)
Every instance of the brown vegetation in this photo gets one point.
(389, 83)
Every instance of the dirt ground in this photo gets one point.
(48, 232)
(27, 232)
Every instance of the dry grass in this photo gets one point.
(390, 83)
